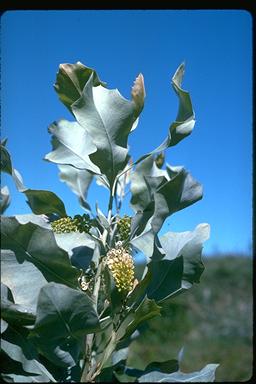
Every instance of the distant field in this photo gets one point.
(213, 321)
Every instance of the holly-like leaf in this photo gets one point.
(40, 220)
(108, 118)
(70, 82)
(36, 245)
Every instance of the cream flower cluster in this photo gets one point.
(120, 263)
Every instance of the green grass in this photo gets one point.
(213, 321)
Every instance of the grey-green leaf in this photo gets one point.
(189, 245)
(20, 275)
(108, 118)
(79, 246)
(5, 199)
(168, 195)
(6, 162)
(70, 82)
(145, 311)
(45, 202)
(206, 375)
(14, 313)
(18, 347)
(72, 145)
(166, 278)
(185, 120)
(37, 245)
(141, 194)
(64, 316)
(78, 180)
(64, 312)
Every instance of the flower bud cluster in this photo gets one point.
(124, 228)
(121, 265)
(67, 224)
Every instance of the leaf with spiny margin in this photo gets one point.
(37, 245)
(78, 180)
(108, 118)
(70, 82)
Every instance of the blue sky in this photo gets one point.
(217, 48)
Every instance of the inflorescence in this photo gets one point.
(77, 224)
(124, 228)
(121, 265)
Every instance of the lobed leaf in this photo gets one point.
(108, 118)
(70, 82)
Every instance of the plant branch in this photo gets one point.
(86, 373)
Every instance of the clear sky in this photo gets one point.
(217, 48)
